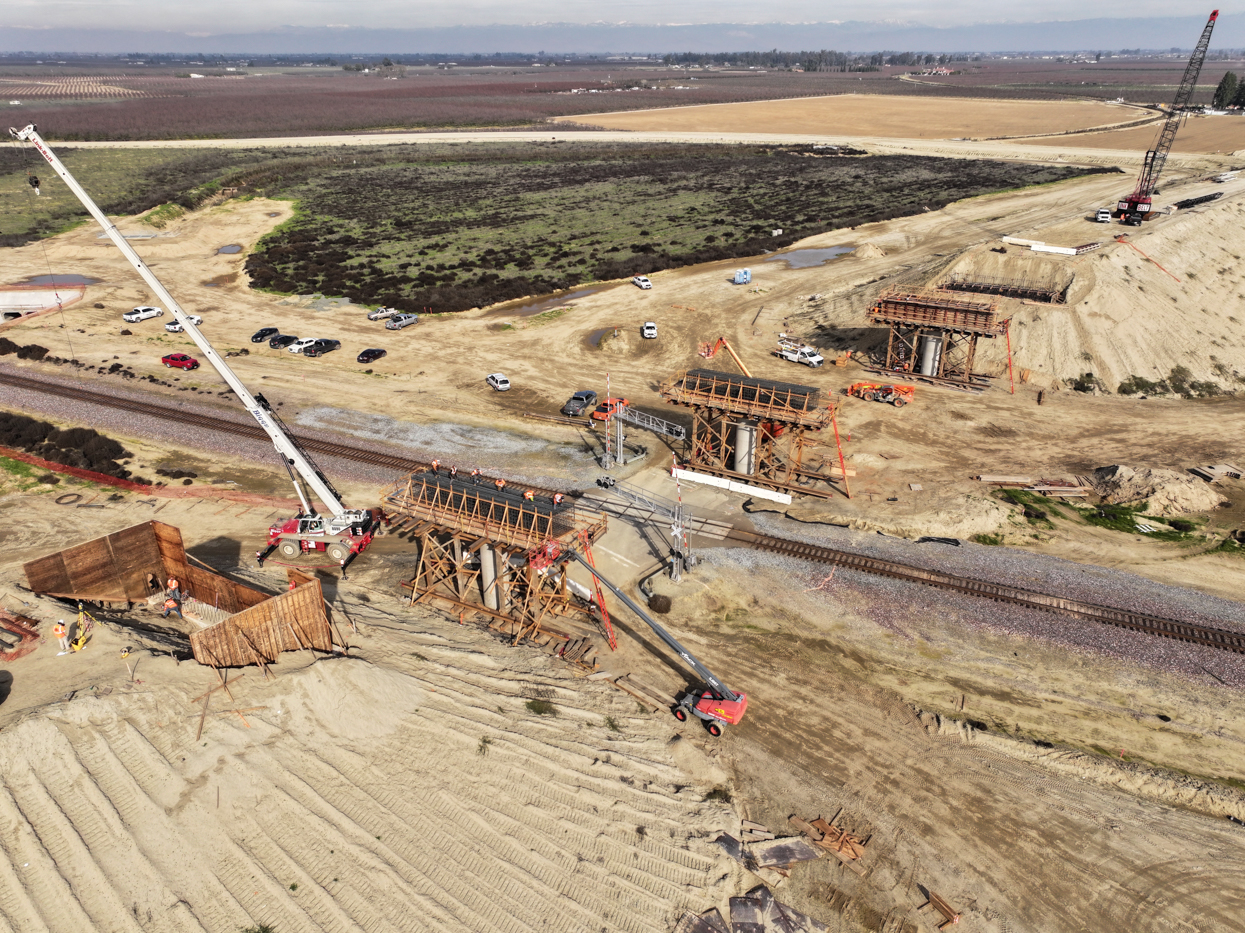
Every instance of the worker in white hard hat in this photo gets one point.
(62, 635)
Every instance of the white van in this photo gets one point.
(1103, 216)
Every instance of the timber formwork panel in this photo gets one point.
(129, 566)
(292, 621)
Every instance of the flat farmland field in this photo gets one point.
(1198, 134)
(873, 115)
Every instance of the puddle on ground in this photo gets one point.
(229, 250)
(274, 214)
(534, 306)
(54, 280)
(227, 278)
(594, 339)
(807, 258)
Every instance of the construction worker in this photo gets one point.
(172, 587)
(62, 635)
(453, 472)
(436, 466)
(530, 495)
(500, 484)
(172, 605)
(475, 476)
(557, 499)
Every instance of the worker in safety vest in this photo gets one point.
(172, 605)
(62, 635)
(453, 472)
(557, 498)
(475, 476)
(436, 466)
(530, 495)
(500, 484)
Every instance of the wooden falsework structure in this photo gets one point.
(934, 336)
(751, 430)
(474, 544)
(130, 566)
(292, 621)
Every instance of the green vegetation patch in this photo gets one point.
(446, 228)
(443, 228)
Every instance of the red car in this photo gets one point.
(608, 408)
(181, 361)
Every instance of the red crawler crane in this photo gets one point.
(1136, 207)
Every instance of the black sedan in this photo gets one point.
(322, 346)
(370, 355)
(264, 333)
(281, 341)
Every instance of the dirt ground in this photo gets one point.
(327, 819)
(1198, 134)
(870, 115)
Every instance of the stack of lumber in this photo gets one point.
(844, 846)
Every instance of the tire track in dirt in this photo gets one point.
(110, 778)
(69, 853)
(97, 822)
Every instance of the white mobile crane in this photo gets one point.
(344, 533)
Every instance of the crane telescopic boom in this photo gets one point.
(351, 526)
(1137, 206)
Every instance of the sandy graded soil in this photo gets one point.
(405, 788)
(869, 115)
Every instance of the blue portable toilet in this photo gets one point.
(743, 276)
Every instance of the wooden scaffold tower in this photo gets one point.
(751, 430)
(475, 545)
(933, 336)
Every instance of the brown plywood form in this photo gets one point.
(129, 566)
(290, 622)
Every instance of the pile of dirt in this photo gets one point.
(870, 251)
(1165, 492)
(1129, 326)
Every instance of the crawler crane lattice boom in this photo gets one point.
(1138, 205)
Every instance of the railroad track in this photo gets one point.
(208, 422)
(1222, 639)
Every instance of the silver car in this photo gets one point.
(399, 321)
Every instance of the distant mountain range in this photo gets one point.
(1159, 33)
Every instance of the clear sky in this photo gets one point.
(246, 16)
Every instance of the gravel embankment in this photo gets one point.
(912, 610)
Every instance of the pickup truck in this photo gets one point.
(797, 352)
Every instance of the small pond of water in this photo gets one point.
(230, 249)
(807, 258)
(55, 280)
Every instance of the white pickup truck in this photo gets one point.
(796, 352)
